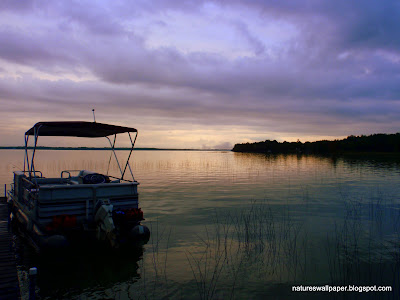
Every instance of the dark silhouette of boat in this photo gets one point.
(79, 203)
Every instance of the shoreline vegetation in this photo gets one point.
(364, 144)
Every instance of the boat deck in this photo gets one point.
(9, 285)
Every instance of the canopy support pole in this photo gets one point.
(115, 154)
(26, 160)
(109, 160)
(129, 156)
(32, 166)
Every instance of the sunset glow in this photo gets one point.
(202, 74)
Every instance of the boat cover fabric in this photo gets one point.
(77, 128)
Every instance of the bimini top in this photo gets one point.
(77, 128)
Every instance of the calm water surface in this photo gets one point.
(234, 226)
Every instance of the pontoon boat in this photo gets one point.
(79, 203)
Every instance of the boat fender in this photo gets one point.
(140, 232)
(103, 216)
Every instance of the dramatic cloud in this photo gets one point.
(196, 74)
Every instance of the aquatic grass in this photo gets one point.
(361, 251)
(264, 243)
(260, 243)
(154, 282)
(246, 240)
(273, 262)
(269, 242)
(206, 270)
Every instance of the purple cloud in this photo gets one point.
(295, 68)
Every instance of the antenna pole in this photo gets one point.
(94, 117)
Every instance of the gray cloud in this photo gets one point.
(339, 73)
(17, 6)
(25, 48)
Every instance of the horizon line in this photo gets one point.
(108, 148)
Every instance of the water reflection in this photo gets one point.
(88, 269)
(261, 222)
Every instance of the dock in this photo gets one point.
(9, 285)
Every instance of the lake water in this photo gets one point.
(234, 226)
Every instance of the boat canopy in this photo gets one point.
(77, 128)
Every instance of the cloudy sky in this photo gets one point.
(202, 74)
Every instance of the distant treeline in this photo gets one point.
(371, 143)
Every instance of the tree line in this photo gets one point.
(364, 143)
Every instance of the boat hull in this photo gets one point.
(55, 213)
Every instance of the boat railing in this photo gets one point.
(116, 178)
(68, 172)
(33, 173)
(30, 192)
(11, 191)
(28, 183)
(32, 185)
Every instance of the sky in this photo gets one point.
(201, 74)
